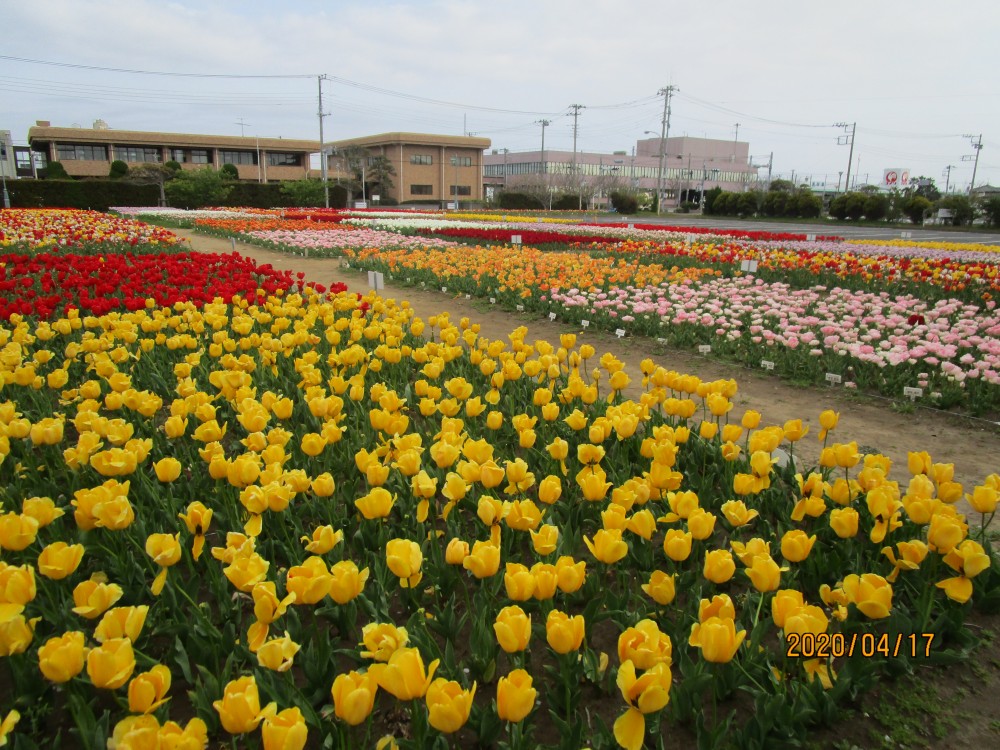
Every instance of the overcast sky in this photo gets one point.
(915, 75)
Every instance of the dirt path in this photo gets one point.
(973, 447)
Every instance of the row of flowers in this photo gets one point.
(45, 285)
(310, 518)
(875, 341)
(54, 228)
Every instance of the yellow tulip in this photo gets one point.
(148, 691)
(545, 539)
(121, 622)
(513, 629)
(382, 640)
(719, 566)
(94, 596)
(570, 575)
(456, 552)
(239, 708)
(764, 573)
(796, 545)
(515, 696)
(277, 654)
(644, 645)
(59, 560)
(347, 582)
(376, 504)
(644, 694)
(167, 469)
(660, 587)
(61, 659)
(484, 559)
(404, 559)
(404, 675)
(17, 531)
(844, 522)
(111, 664)
(607, 546)
(354, 696)
(448, 705)
(717, 638)
(564, 633)
(677, 545)
(286, 730)
(310, 581)
(871, 593)
(323, 539)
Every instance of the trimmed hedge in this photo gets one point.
(100, 195)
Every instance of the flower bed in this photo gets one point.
(47, 285)
(34, 229)
(312, 518)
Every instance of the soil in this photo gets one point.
(951, 707)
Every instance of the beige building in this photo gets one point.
(428, 168)
(88, 152)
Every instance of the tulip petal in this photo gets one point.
(630, 729)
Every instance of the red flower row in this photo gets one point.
(46, 285)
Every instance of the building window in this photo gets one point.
(23, 160)
(421, 159)
(138, 153)
(237, 157)
(81, 152)
(461, 161)
(277, 159)
(462, 189)
(189, 155)
(421, 190)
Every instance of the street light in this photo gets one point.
(454, 161)
(3, 174)
(659, 173)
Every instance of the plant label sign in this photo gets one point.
(444, 289)
(833, 378)
(346, 264)
(378, 280)
(585, 323)
(552, 316)
(493, 300)
(631, 226)
(689, 239)
(520, 308)
(371, 279)
(704, 348)
(767, 364)
(620, 332)
(661, 341)
(515, 239)
(912, 393)
(810, 238)
(468, 296)
(750, 266)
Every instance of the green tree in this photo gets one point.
(925, 187)
(720, 206)
(173, 166)
(838, 207)
(746, 203)
(961, 209)
(808, 205)
(625, 202)
(855, 205)
(229, 172)
(916, 208)
(304, 192)
(876, 207)
(781, 186)
(118, 169)
(991, 209)
(56, 171)
(197, 188)
(710, 197)
(379, 171)
(775, 201)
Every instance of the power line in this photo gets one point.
(150, 72)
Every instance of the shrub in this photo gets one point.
(916, 208)
(569, 202)
(118, 169)
(519, 201)
(876, 207)
(98, 195)
(624, 203)
(56, 171)
(229, 171)
(198, 188)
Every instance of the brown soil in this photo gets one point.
(951, 707)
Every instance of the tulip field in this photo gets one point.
(242, 509)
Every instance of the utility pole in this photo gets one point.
(947, 177)
(3, 172)
(667, 92)
(844, 140)
(576, 177)
(545, 176)
(736, 137)
(242, 126)
(977, 144)
(322, 149)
